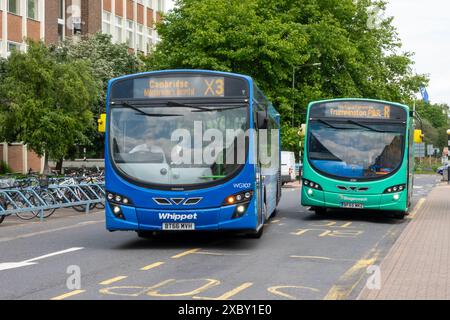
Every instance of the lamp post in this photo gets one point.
(294, 69)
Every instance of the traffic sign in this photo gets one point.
(419, 150)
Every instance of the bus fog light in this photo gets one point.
(396, 196)
(116, 210)
(240, 209)
(310, 192)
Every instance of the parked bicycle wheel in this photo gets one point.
(21, 203)
(49, 200)
(100, 205)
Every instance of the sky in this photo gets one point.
(424, 28)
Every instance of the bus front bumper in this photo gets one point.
(385, 202)
(215, 219)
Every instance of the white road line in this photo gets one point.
(28, 235)
(29, 262)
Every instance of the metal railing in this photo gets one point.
(42, 201)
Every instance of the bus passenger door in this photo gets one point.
(259, 172)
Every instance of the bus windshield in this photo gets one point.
(156, 144)
(355, 149)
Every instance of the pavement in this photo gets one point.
(300, 256)
(418, 265)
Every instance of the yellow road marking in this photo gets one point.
(209, 283)
(185, 253)
(276, 291)
(312, 257)
(112, 280)
(151, 266)
(417, 208)
(221, 253)
(68, 295)
(345, 286)
(227, 295)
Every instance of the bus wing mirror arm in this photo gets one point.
(262, 120)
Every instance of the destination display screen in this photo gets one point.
(180, 86)
(358, 110)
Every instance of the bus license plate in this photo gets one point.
(178, 226)
(351, 205)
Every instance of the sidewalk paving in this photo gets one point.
(418, 265)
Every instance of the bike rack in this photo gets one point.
(18, 199)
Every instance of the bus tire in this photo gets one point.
(145, 234)
(258, 234)
(400, 215)
(320, 211)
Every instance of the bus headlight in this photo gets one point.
(394, 189)
(118, 199)
(238, 198)
(311, 184)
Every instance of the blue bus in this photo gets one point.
(190, 150)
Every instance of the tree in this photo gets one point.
(106, 60)
(45, 103)
(271, 39)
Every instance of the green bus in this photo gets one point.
(358, 155)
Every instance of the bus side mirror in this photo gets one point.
(261, 120)
(418, 136)
(102, 123)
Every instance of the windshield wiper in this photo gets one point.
(179, 104)
(366, 126)
(329, 124)
(157, 115)
(202, 109)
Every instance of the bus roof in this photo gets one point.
(406, 107)
(248, 78)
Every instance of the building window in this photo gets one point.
(160, 5)
(33, 9)
(13, 46)
(106, 26)
(140, 37)
(61, 9)
(149, 38)
(60, 32)
(118, 30)
(130, 33)
(13, 6)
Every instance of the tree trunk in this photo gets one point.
(46, 167)
(59, 166)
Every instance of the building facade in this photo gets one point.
(51, 21)
(127, 21)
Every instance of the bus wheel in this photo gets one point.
(145, 234)
(399, 215)
(320, 211)
(259, 233)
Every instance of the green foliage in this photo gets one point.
(4, 168)
(45, 103)
(106, 60)
(435, 118)
(271, 40)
